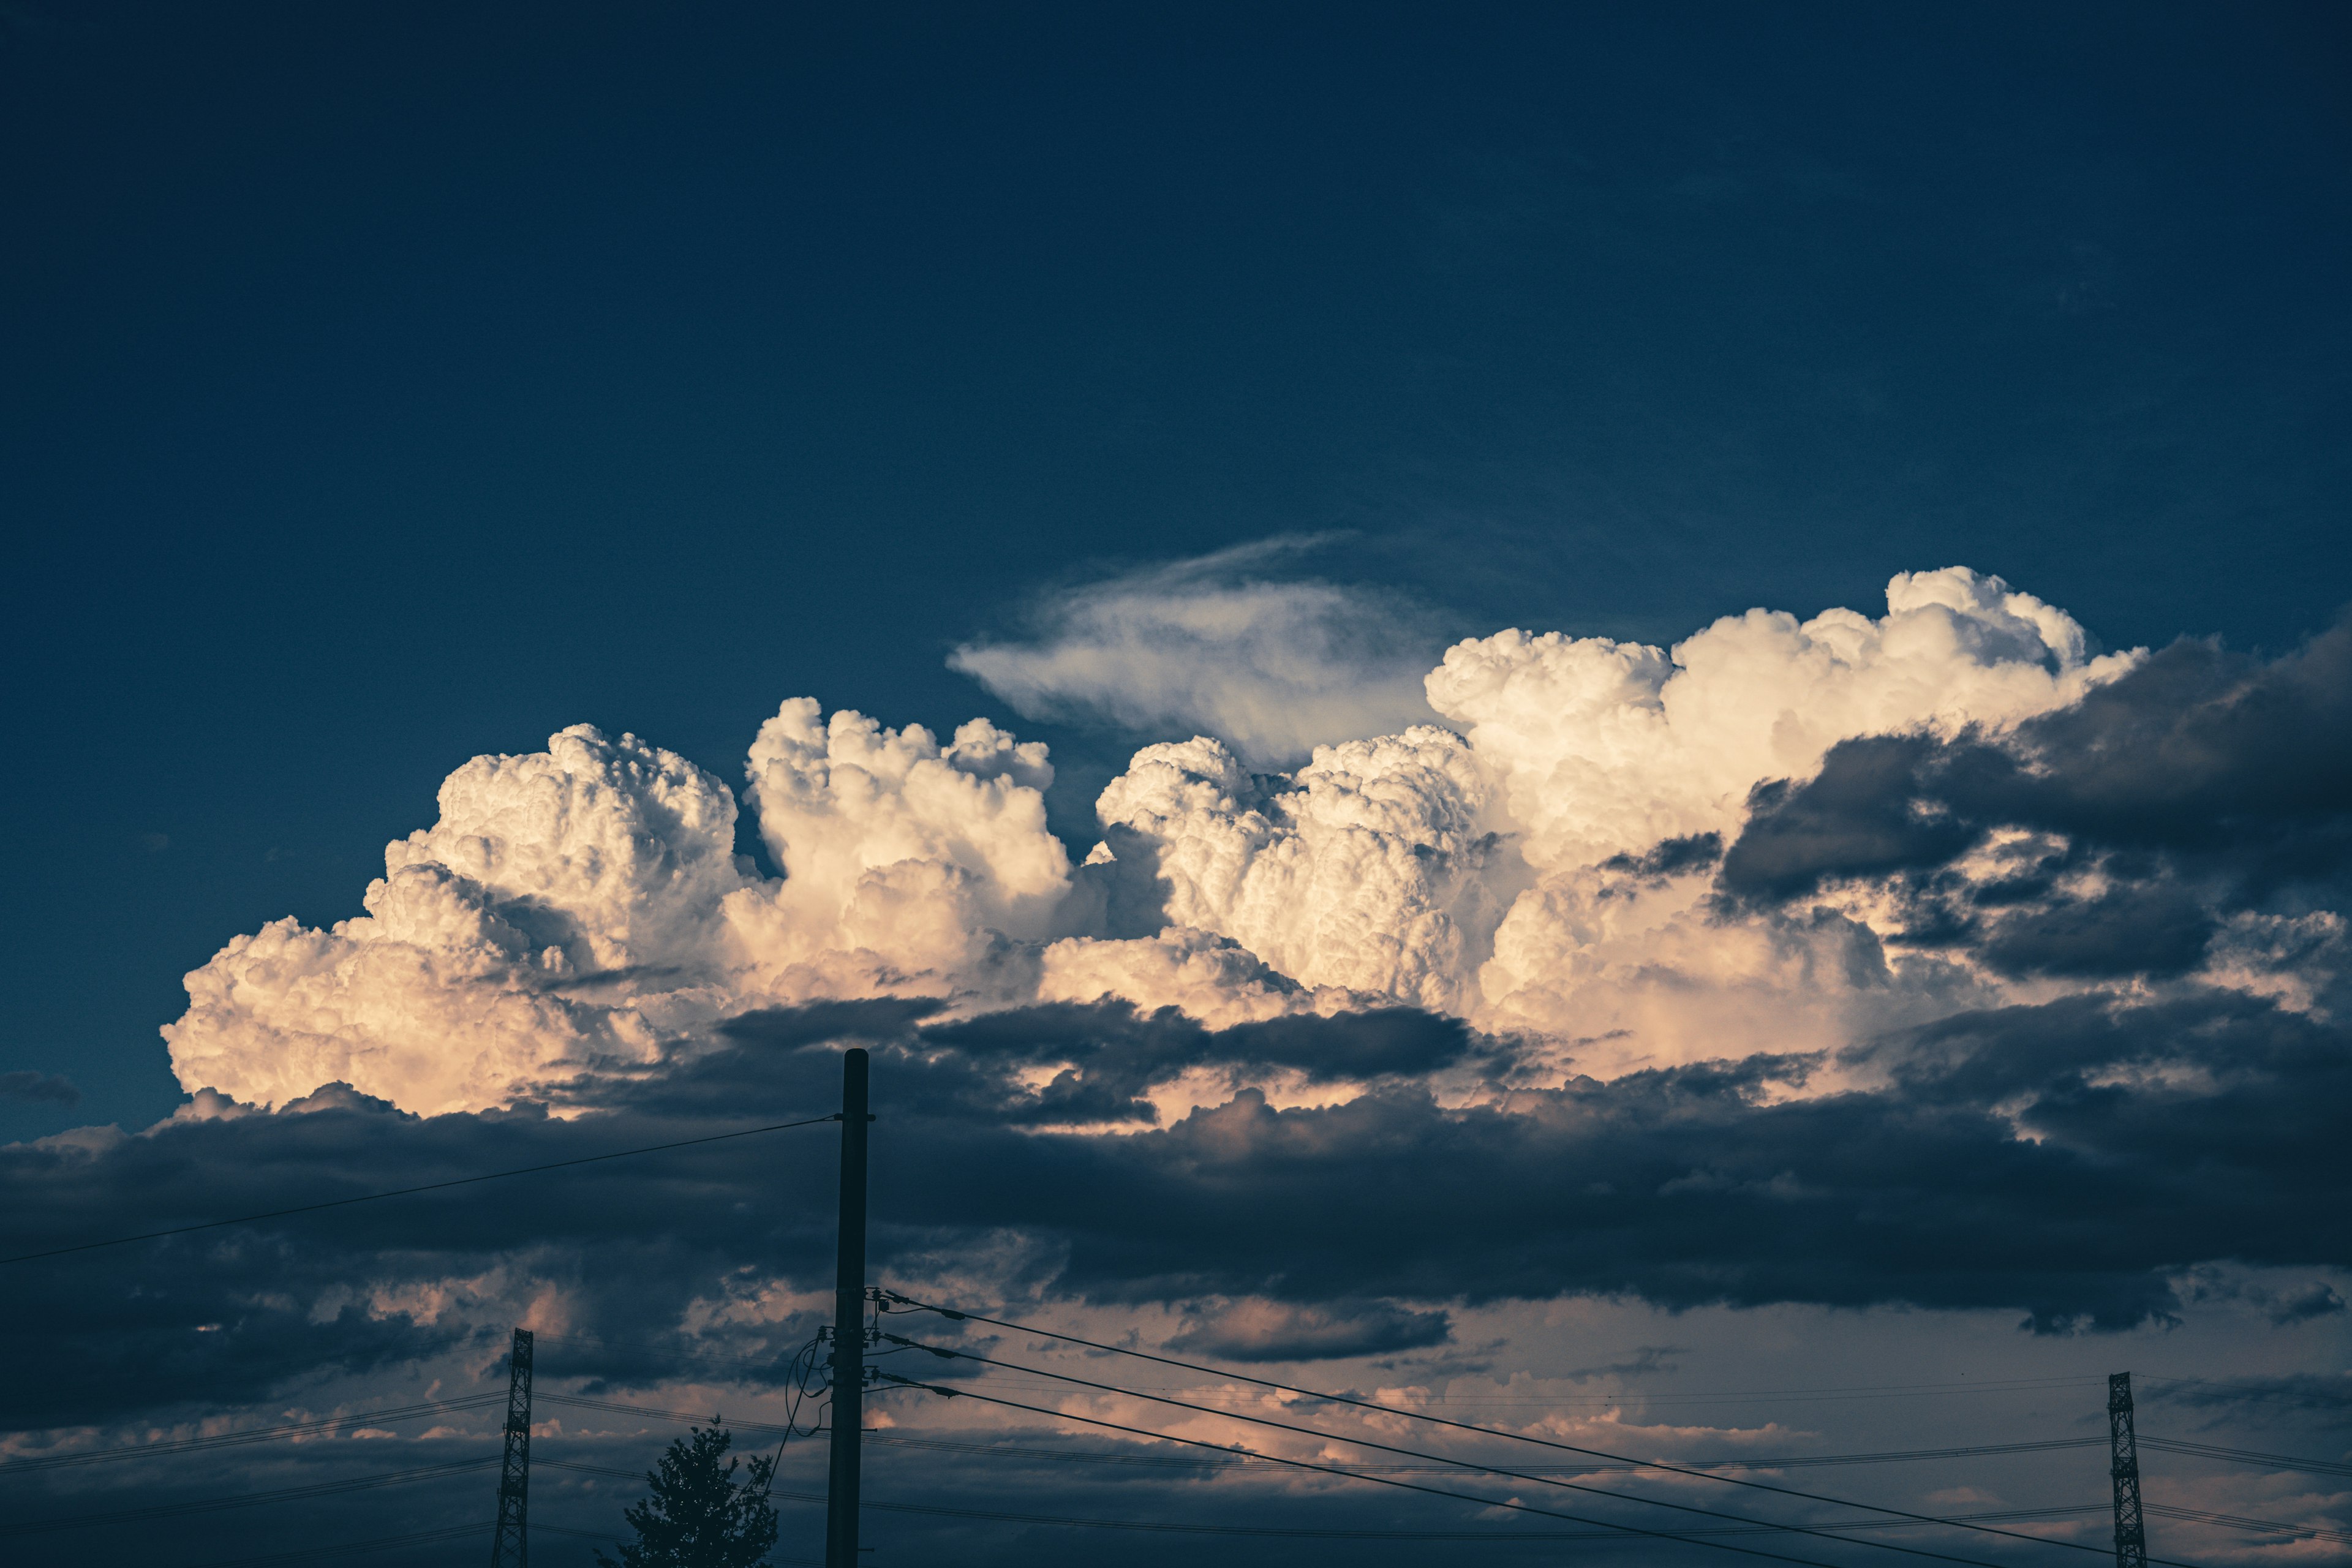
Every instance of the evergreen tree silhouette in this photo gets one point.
(695, 1515)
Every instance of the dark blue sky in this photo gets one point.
(391, 384)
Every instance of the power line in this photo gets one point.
(251, 1435)
(1356, 1476)
(1174, 1526)
(1469, 1426)
(998, 1450)
(617, 1408)
(246, 1500)
(2262, 1526)
(1462, 1464)
(407, 1192)
(1091, 1457)
(2246, 1456)
(664, 1353)
(1237, 1460)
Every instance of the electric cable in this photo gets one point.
(1301, 1532)
(250, 1435)
(804, 1369)
(1352, 1475)
(1091, 1457)
(406, 1192)
(614, 1407)
(1470, 1426)
(1460, 1464)
(246, 1500)
(2245, 1456)
(2262, 1526)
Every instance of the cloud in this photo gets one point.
(38, 1088)
(1376, 867)
(2228, 767)
(2188, 820)
(1259, 1330)
(2072, 1161)
(1608, 747)
(1209, 645)
(581, 910)
(559, 915)
(1921, 959)
(1545, 870)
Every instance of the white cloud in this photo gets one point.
(1273, 669)
(1461, 872)
(562, 910)
(1375, 867)
(1608, 747)
(582, 906)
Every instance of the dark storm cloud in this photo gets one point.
(1288, 1331)
(1670, 857)
(234, 1314)
(1117, 1053)
(1688, 1186)
(2069, 1161)
(2201, 766)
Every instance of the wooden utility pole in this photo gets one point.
(848, 1323)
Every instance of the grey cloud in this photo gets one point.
(2220, 770)
(1288, 1331)
(1646, 1361)
(2068, 1162)
(1670, 857)
(1117, 1054)
(39, 1087)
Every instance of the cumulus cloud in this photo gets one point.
(559, 914)
(1608, 747)
(1374, 866)
(1776, 837)
(906, 861)
(1513, 872)
(1272, 668)
(1919, 958)
(582, 909)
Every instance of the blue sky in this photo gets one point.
(395, 387)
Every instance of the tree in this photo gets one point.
(695, 1515)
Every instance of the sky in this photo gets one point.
(1633, 718)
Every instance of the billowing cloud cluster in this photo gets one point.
(1610, 855)
(583, 910)
(1920, 958)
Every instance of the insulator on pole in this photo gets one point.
(511, 1547)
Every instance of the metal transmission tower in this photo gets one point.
(511, 1547)
(848, 1323)
(2131, 1536)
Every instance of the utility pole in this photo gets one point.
(2131, 1536)
(511, 1546)
(848, 1323)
